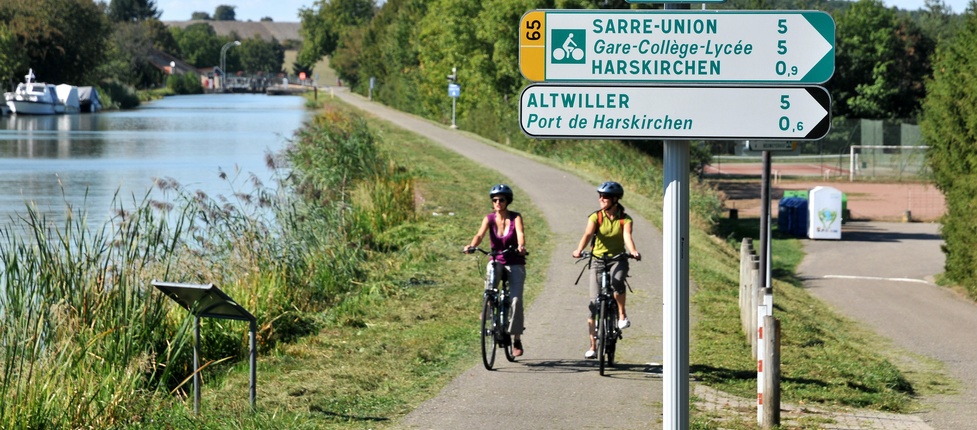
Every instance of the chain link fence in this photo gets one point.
(858, 149)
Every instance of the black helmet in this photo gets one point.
(503, 190)
(612, 188)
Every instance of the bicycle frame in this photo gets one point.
(495, 310)
(605, 312)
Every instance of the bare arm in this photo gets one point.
(587, 234)
(629, 241)
(520, 236)
(479, 235)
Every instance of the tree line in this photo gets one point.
(891, 64)
(82, 42)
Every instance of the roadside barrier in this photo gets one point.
(762, 331)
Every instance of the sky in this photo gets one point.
(245, 10)
(287, 10)
(958, 6)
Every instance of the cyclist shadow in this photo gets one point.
(619, 370)
(634, 371)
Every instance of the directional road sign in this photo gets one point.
(766, 145)
(674, 112)
(712, 46)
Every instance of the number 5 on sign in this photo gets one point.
(532, 45)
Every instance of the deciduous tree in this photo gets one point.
(132, 10)
(224, 13)
(326, 22)
(64, 41)
(255, 55)
(199, 44)
(881, 62)
(949, 127)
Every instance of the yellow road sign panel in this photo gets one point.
(532, 45)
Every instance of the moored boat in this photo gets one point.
(38, 98)
(89, 100)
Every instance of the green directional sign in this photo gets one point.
(674, 112)
(669, 46)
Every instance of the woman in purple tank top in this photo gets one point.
(504, 228)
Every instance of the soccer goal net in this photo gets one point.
(885, 162)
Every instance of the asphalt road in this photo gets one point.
(879, 274)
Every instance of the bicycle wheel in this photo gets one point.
(613, 333)
(488, 331)
(602, 335)
(506, 343)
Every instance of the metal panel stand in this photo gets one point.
(210, 301)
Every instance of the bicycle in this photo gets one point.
(495, 310)
(605, 325)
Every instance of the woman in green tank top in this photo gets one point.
(609, 230)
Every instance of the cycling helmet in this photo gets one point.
(502, 190)
(612, 188)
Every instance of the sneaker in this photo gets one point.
(590, 354)
(517, 348)
(623, 324)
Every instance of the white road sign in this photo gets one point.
(677, 46)
(674, 112)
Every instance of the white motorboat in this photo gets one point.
(36, 98)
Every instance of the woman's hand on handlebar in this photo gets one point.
(581, 254)
(636, 255)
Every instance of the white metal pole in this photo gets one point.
(453, 101)
(676, 286)
(253, 358)
(851, 164)
(196, 365)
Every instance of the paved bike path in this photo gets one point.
(881, 274)
(552, 386)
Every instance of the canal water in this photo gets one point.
(83, 161)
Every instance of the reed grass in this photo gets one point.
(87, 342)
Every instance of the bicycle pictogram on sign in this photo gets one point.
(570, 49)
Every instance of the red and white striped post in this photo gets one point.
(760, 354)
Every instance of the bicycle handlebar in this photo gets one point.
(587, 255)
(493, 253)
(619, 257)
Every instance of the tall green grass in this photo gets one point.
(74, 305)
(87, 342)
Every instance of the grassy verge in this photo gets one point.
(411, 329)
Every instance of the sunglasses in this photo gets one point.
(498, 200)
(606, 196)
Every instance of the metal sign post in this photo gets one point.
(454, 91)
(676, 46)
